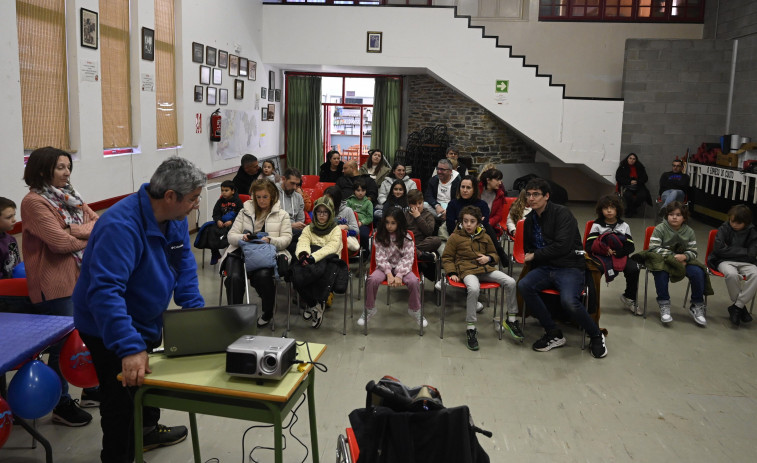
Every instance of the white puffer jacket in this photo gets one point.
(277, 225)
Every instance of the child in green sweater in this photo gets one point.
(364, 208)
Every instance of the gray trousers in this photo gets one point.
(474, 288)
(740, 291)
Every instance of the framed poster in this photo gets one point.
(242, 67)
(198, 51)
(233, 65)
(210, 56)
(238, 89)
(278, 95)
(223, 96)
(148, 44)
(271, 94)
(263, 93)
(89, 31)
(205, 75)
(211, 96)
(217, 76)
(271, 80)
(252, 70)
(198, 93)
(374, 42)
(271, 111)
(264, 114)
(223, 59)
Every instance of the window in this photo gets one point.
(116, 92)
(622, 10)
(165, 74)
(347, 115)
(44, 85)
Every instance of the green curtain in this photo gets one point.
(304, 133)
(386, 116)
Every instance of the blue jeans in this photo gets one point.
(569, 282)
(63, 306)
(668, 196)
(695, 275)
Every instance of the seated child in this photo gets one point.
(734, 254)
(422, 223)
(224, 213)
(397, 197)
(610, 244)
(320, 239)
(345, 217)
(518, 211)
(269, 171)
(470, 257)
(359, 203)
(672, 255)
(9, 250)
(394, 263)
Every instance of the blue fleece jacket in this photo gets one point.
(129, 272)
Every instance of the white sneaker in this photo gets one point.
(630, 304)
(697, 312)
(416, 314)
(438, 285)
(361, 320)
(665, 314)
(479, 307)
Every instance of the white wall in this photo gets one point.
(234, 26)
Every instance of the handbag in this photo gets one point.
(258, 254)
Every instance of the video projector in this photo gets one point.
(260, 357)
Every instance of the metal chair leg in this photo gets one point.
(646, 290)
(422, 283)
(444, 306)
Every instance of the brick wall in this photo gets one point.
(675, 93)
(473, 130)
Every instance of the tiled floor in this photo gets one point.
(663, 393)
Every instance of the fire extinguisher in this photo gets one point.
(215, 125)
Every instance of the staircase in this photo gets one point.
(436, 41)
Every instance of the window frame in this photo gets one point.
(698, 6)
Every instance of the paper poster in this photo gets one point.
(88, 70)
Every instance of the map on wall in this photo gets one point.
(239, 134)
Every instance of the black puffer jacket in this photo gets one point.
(315, 281)
(735, 246)
(561, 236)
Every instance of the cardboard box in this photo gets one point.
(728, 160)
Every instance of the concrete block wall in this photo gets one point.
(744, 109)
(729, 19)
(473, 130)
(676, 94)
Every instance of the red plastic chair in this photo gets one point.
(417, 183)
(483, 285)
(14, 287)
(244, 197)
(320, 187)
(507, 238)
(309, 181)
(647, 236)
(415, 271)
(345, 256)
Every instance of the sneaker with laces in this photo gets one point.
(68, 413)
(697, 313)
(416, 314)
(630, 304)
(734, 314)
(317, 316)
(362, 319)
(598, 346)
(163, 436)
(472, 338)
(264, 321)
(90, 397)
(746, 317)
(550, 340)
(665, 316)
(513, 327)
(479, 307)
(438, 285)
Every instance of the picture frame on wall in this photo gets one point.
(374, 42)
(271, 111)
(252, 70)
(271, 94)
(233, 65)
(89, 31)
(277, 98)
(223, 59)
(210, 56)
(243, 67)
(238, 89)
(217, 76)
(198, 93)
(223, 96)
(205, 75)
(263, 93)
(264, 114)
(198, 52)
(271, 80)
(148, 44)
(211, 96)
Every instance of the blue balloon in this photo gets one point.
(34, 390)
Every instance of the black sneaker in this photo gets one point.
(734, 314)
(472, 341)
(90, 398)
(163, 436)
(598, 347)
(549, 341)
(514, 329)
(746, 317)
(68, 413)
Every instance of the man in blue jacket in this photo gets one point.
(137, 257)
(554, 251)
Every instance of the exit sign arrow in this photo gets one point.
(502, 86)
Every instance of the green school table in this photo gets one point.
(200, 384)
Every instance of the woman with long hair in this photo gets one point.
(632, 178)
(331, 170)
(376, 166)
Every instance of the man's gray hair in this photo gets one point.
(445, 161)
(177, 174)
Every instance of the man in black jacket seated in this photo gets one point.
(674, 185)
(346, 182)
(248, 172)
(552, 243)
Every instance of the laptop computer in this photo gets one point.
(206, 330)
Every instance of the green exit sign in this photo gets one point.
(502, 86)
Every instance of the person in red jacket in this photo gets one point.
(493, 193)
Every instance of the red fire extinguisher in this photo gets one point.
(215, 125)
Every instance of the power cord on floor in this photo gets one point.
(290, 426)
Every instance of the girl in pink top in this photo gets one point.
(394, 253)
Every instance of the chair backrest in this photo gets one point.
(312, 192)
(345, 255)
(519, 254)
(417, 183)
(647, 236)
(244, 197)
(15, 287)
(710, 245)
(309, 181)
(320, 187)
(506, 211)
(587, 230)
